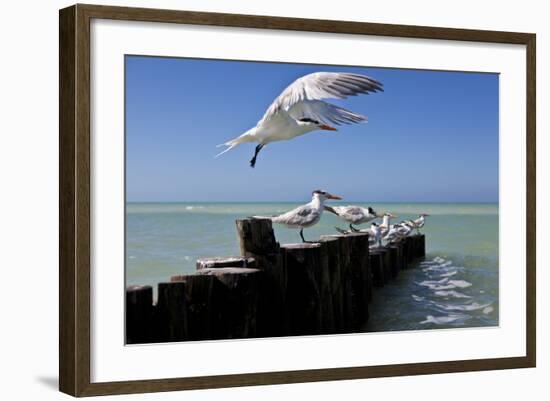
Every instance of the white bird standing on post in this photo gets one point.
(419, 223)
(354, 214)
(306, 215)
(375, 235)
(397, 232)
(404, 229)
(385, 226)
(393, 234)
(299, 109)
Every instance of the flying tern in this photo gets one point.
(299, 109)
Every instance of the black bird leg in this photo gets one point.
(253, 160)
(303, 239)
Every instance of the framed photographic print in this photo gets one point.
(250, 200)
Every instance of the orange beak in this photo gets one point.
(327, 128)
(334, 197)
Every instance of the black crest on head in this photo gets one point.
(319, 191)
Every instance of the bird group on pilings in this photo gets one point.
(270, 290)
(310, 214)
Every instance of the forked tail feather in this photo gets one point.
(246, 137)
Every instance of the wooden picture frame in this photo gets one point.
(74, 203)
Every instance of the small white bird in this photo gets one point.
(393, 234)
(397, 232)
(353, 214)
(299, 109)
(385, 226)
(419, 223)
(375, 235)
(404, 229)
(306, 215)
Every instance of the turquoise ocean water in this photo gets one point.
(457, 285)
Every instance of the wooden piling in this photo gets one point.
(376, 261)
(419, 242)
(237, 308)
(270, 290)
(342, 284)
(422, 246)
(220, 302)
(408, 248)
(360, 276)
(139, 314)
(394, 255)
(328, 278)
(230, 261)
(171, 312)
(303, 291)
(257, 241)
(337, 279)
(386, 264)
(202, 311)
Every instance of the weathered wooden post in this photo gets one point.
(220, 302)
(171, 312)
(330, 285)
(419, 245)
(139, 314)
(401, 262)
(238, 301)
(228, 261)
(303, 293)
(412, 252)
(341, 282)
(394, 260)
(360, 276)
(201, 313)
(257, 240)
(377, 268)
(386, 264)
(409, 251)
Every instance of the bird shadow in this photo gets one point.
(51, 382)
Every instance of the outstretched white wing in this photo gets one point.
(324, 113)
(322, 85)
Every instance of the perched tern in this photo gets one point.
(385, 226)
(397, 232)
(299, 109)
(353, 214)
(375, 234)
(392, 234)
(419, 223)
(404, 229)
(306, 215)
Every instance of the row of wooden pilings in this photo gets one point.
(271, 289)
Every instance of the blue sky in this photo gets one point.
(432, 136)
